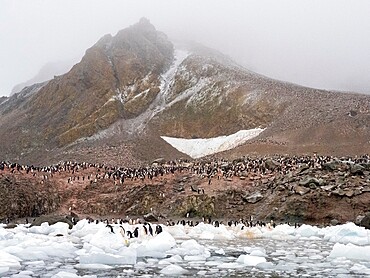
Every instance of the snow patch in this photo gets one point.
(197, 148)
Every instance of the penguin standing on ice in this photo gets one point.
(111, 228)
(158, 229)
(136, 232)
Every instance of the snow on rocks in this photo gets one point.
(197, 148)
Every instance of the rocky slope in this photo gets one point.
(132, 88)
(295, 190)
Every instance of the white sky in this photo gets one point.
(317, 43)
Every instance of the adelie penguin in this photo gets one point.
(158, 229)
(136, 232)
(111, 228)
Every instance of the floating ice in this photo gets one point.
(250, 260)
(8, 260)
(173, 270)
(127, 257)
(351, 251)
(179, 250)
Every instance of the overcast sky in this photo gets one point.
(316, 43)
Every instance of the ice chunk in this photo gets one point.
(43, 229)
(129, 258)
(4, 269)
(173, 270)
(360, 269)
(265, 265)
(258, 253)
(65, 274)
(93, 266)
(307, 230)
(347, 233)
(230, 265)
(161, 243)
(351, 251)
(8, 260)
(220, 251)
(250, 260)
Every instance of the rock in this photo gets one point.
(254, 198)
(334, 222)
(349, 193)
(357, 169)
(303, 168)
(271, 164)
(150, 217)
(309, 180)
(359, 219)
(339, 192)
(179, 187)
(366, 166)
(365, 222)
(329, 187)
(51, 219)
(194, 188)
(10, 226)
(332, 165)
(301, 190)
(160, 160)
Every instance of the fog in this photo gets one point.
(316, 43)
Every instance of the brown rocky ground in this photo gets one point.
(305, 195)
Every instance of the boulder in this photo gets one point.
(301, 190)
(51, 219)
(357, 169)
(309, 180)
(359, 219)
(150, 217)
(334, 222)
(271, 164)
(365, 222)
(10, 226)
(339, 192)
(332, 165)
(303, 168)
(254, 198)
(160, 160)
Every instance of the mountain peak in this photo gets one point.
(144, 23)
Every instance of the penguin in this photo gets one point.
(129, 234)
(150, 229)
(122, 231)
(158, 229)
(145, 230)
(111, 228)
(136, 232)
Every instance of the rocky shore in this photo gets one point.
(315, 190)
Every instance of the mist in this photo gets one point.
(315, 43)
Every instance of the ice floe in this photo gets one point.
(90, 249)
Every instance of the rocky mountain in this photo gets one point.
(132, 88)
(46, 73)
(2, 99)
